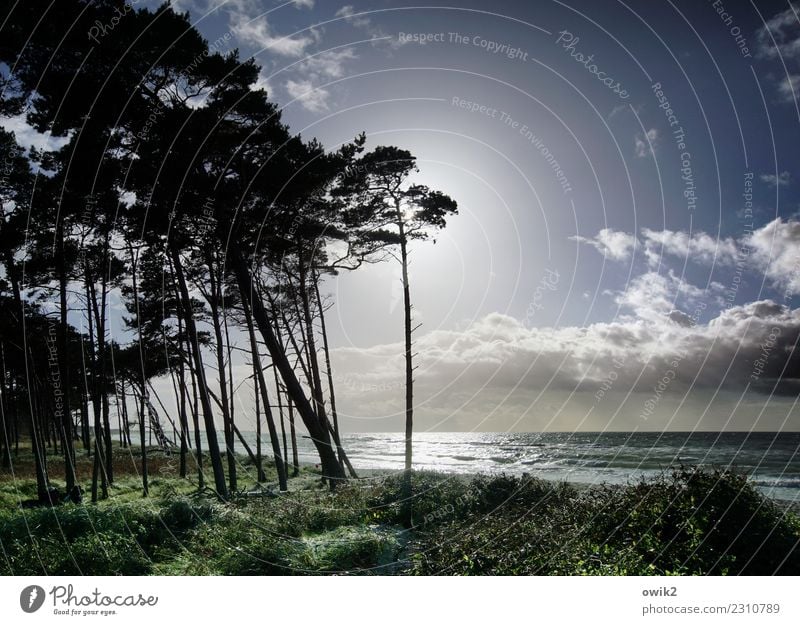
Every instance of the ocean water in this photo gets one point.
(771, 460)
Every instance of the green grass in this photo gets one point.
(685, 522)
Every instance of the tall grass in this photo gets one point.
(685, 522)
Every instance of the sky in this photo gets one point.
(627, 250)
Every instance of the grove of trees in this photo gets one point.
(180, 195)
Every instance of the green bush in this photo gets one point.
(684, 522)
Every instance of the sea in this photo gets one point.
(770, 459)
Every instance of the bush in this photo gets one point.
(701, 522)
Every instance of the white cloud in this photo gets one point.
(653, 297)
(773, 249)
(788, 87)
(780, 36)
(610, 243)
(697, 247)
(328, 65)
(263, 83)
(28, 137)
(314, 100)
(304, 4)
(779, 40)
(467, 375)
(645, 144)
(776, 250)
(781, 180)
(359, 21)
(364, 23)
(258, 32)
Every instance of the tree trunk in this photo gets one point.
(278, 394)
(336, 436)
(319, 434)
(205, 401)
(261, 387)
(409, 370)
(66, 418)
(103, 352)
(5, 443)
(85, 434)
(260, 476)
(182, 410)
(143, 441)
(196, 421)
(39, 457)
(216, 294)
(99, 456)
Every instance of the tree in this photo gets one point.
(391, 209)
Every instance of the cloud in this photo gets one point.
(350, 15)
(781, 180)
(645, 144)
(654, 297)
(610, 243)
(788, 86)
(258, 32)
(497, 365)
(314, 100)
(775, 248)
(779, 40)
(28, 137)
(329, 64)
(364, 23)
(779, 37)
(304, 4)
(263, 83)
(697, 247)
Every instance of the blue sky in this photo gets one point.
(626, 174)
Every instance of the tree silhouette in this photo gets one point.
(391, 209)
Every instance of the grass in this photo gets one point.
(687, 522)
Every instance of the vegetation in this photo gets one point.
(178, 191)
(686, 522)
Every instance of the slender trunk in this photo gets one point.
(409, 357)
(196, 422)
(311, 344)
(39, 457)
(260, 477)
(261, 388)
(126, 423)
(66, 418)
(216, 295)
(12, 274)
(96, 407)
(202, 387)
(85, 434)
(279, 395)
(103, 352)
(5, 443)
(143, 442)
(326, 350)
(183, 418)
(142, 376)
(126, 433)
(319, 435)
(120, 428)
(295, 462)
(293, 438)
